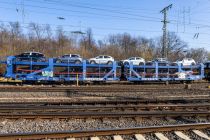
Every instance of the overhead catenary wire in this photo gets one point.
(37, 12)
(140, 18)
(172, 21)
(119, 17)
(67, 10)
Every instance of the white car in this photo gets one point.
(134, 60)
(186, 62)
(102, 59)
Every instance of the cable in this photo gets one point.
(99, 9)
(43, 7)
(101, 28)
(104, 5)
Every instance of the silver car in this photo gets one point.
(70, 58)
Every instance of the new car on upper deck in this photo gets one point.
(102, 59)
(31, 56)
(186, 62)
(134, 60)
(70, 58)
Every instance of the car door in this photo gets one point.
(106, 59)
(101, 60)
(98, 59)
(132, 59)
(135, 61)
(138, 60)
(72, 58)
(33, 57)
(65, 58)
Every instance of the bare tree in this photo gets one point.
(175, 47)
(87, 45)
(120, 46)
(16, 37)
(199, 54)
(37, 31)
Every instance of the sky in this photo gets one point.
(189, 19)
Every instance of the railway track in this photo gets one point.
(136, 101)
(135, 107)
(125, 88)
(136, 131)
(116, 110)
(119, 107)
(101, 115)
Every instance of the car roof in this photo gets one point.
(71, 54)
(139, 57)
(34, 52)
(207, 62)
(161, 58)
(188, 58)
(105, 55)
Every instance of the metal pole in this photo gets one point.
(165, 45)
(77, 80)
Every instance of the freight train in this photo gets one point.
(53, 71)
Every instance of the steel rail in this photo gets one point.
(103, 132)
(91, 90)
(101, 115)
(115, 102)
(88, 107)
(88, 89)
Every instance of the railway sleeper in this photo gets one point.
(186, 133)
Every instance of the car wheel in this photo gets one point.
(77, 62)
(110, 63)
(141, 63)
(126, 63)
(92, 62)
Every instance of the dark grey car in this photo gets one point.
(31, 56)
(70, 58)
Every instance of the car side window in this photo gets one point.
(74, 55)
(39, 55)
(106, 57)
(99, 57)
(25, 54)
(132, 58)
(65, 56)
(33, 55)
